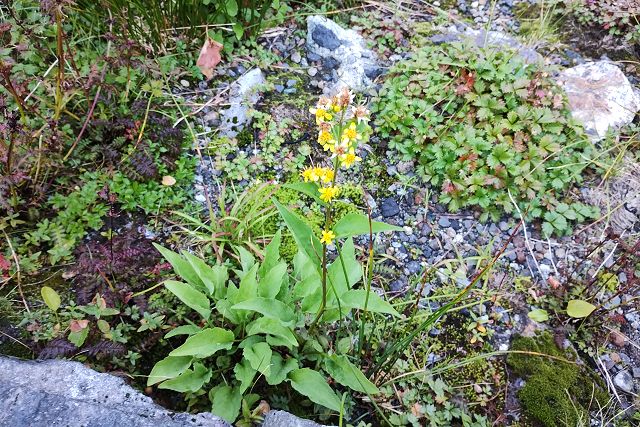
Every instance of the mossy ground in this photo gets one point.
(558, 391)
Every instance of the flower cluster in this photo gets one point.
(342, 126)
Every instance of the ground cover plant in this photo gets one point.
(441, 245)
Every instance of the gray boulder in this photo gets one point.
(600, 96)
(63, 393)
(357, 66)
(243, 96)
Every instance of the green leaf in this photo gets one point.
(50, 297)
(348, 374)
(539, 315)
(356, 298)
(271, 255)
(280, 369)
(167, 368)
(191, 297)
(190, 381)
(336, 273)
(205, 343)
(355, 224)
(78, 338)
(238, 30)
(212, 277)
(181, 266)
(313, 385)
(183, 330)
(269, 286)
(231, 7)
(308, 188)
(244, 374)
(302, 234)
(579, 308)
(259, 356)
(225, 402)
(268, 326)
(270, 308)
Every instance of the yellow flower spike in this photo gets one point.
(351, 133)
(327, 175)
(327, 237)
(310, 175)
(328, 193)
(324, 137)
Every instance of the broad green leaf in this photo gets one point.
(78, 338)
(579, 308)
(310, 383)
(356, 298)
(205, 343)
(183, 330)
(302, 233)
(190, 297)
(231, 7)
(225, 402)
(354, 224)
(270, 308)
(247, 260)
(280, 369)
(269, 286)
(336, 273)
(271, 255)
(348, 374)
(238, 30)
(244, 374)
(268, 326)
(308, 188)
(212, 277)
(539, 315)
(259, 356)
(190, 380)
(181, 266)
(167, 368)
(248, 287)
(50, 297)
(224, 307)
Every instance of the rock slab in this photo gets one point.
(600, 96)
(356, 66)
(243, 95)
(55, 393)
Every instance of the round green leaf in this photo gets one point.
(50, 297)
(579, 308)
(539, 315)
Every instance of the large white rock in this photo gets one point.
(358, 66)
(243, 95)
(600, 96)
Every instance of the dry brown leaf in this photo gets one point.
(209, 57)
(168, 180)
(78, 325)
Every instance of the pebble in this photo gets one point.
(200, 198)
(389, 208)
(291, 82)
(290, 90)
(279, 88)
(624, 381)
(295, 57)
(444, 222)
(312, 71)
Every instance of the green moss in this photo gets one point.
(556, 393)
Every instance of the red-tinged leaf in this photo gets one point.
(209, 57)
(78, 325)
(4, 263)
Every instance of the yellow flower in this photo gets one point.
(327, 175)
(351, 133)
(321, 114)
(324, 137)
(360, 113)
(328, 193)
(349, 158)
(310, 175)
(327, 237)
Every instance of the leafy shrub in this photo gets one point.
(483, 125)
(249, 324)
(617, 17)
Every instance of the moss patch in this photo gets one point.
(556, 393)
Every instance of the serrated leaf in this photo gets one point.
(167, 368)
(579, 308)
(205, 343)
(347, 374)
(311, 384)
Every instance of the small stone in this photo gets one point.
(200, 198)
(434, 332)
(312, 71)
(295, 57)
(444, 222)
(636, 372)
(291, 82)
(290, 90)
(184, 83)
(279, 88)
(389, 208)
(624, 381)
(313, 57)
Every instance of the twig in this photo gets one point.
(18, 272)
(551, 258)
